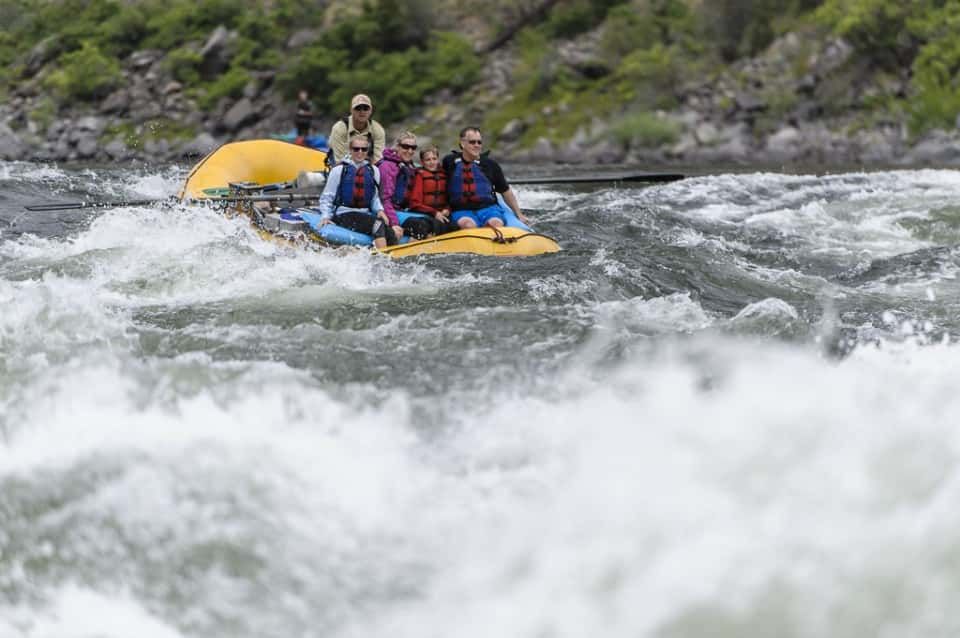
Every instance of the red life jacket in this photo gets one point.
(434, 185)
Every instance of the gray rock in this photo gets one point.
(117, 102)
(783, 143)
(11, 146)
(199, 146)
(156, 148)
(91, 123)
(938, 148)
(87, 147)
(44, 51)
(116, 150)
(172, 87)
(143, 59)
(749, 103)
(512, 130)
(216, 52)
(239, 115)
(706, 134)
(302, 38)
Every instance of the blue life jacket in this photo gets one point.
(357, 187)
(469, 187)
(401, 190)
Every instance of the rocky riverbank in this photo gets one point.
(757, 112)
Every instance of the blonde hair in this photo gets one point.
(429, 149)
(405, 135)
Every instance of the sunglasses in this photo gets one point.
(473, 141)
(408, 147)
(359, 148)
(362, 107)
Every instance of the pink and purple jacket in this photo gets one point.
(391, 167)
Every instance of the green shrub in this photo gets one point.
(397, 81)
(184, 65)
(936, 71)
(649, 77)
(230, 84)
(44, 112)
(570, 19)
(645, 130)
(85, 74)
(879, 29)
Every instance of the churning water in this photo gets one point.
(727, 408)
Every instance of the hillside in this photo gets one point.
(635, 81)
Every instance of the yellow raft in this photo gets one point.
(267, 162)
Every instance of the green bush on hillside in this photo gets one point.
(878, 29)
(645, 130)
(570, 19)
(85, 74)
(936, 70)
(397, 81)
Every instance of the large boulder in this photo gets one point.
(239, 115)
(11, 146)
(216, 52)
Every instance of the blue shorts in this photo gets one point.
(480, 217)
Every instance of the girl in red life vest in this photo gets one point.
(429, 195)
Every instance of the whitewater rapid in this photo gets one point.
(726, 408)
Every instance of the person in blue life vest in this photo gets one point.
(351, 197)
(396, 178)
(473, 181)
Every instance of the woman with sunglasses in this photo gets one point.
(351, 197)
(358, 124)
(396, 180)
(473, 181)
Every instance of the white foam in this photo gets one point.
(77, 612)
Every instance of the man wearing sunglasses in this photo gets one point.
(358, 125)
(473, 181)
(351, 197)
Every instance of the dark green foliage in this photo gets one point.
(879, 29)
(397, 81)
(571, 18)
(85, 74)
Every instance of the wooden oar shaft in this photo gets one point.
(596, 179)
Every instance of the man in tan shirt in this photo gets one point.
(359, 123)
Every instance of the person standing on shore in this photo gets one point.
(359, 124)
(473, 181)
(304, 116)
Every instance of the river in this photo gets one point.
(727, 407)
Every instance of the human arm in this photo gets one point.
(501, 186)
(388, 185)
(329, 194)
(338, 141)
(379, 140)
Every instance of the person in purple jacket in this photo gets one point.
(396, 177)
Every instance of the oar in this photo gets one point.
(146, 202)
(78, 205)
(287, 197)
(592, 179)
